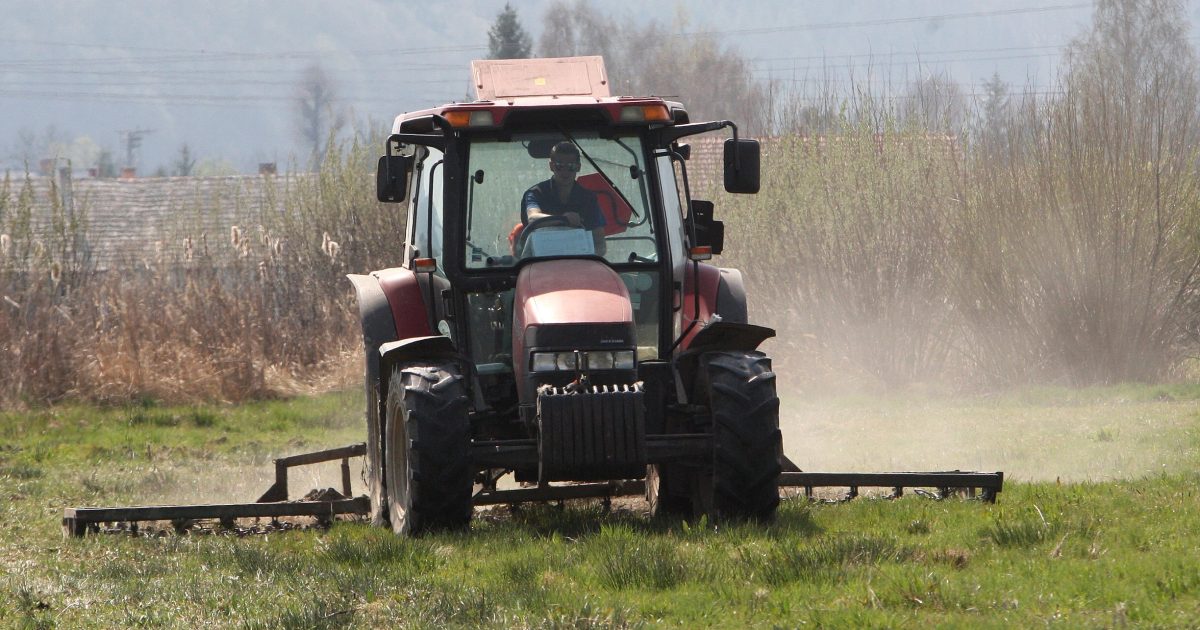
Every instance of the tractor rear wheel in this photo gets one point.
(739, 389)
(426, 447)
(666, 491)
(374, 460)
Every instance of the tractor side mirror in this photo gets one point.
(391, 178)
(709, 231)
(741, 165)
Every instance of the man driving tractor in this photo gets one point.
(561, 196)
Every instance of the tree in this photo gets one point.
(1088, 260)
(935, 103)
(507, 39)
(1136, 64)
(185, 163)
(713, 80)
(578, 29)
(30, 146)
(994, 120)
(318, 116)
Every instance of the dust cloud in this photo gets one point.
(241, 481)
(1103, 438)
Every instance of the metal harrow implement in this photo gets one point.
(274, 503)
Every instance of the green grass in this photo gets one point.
(1082, 554)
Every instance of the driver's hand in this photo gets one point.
(573, 219)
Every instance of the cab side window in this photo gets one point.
(427, 210)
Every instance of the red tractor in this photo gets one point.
(564, 329)
(586, 340)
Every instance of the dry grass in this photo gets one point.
(255, 312)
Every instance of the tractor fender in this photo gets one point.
(378, 328)
(390, 307)
(731, 297)
(426, 351)
(432, 347)
(722, 293)
(720, 336)
(375, 315)
(409, 310)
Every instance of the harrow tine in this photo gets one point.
(945, 484)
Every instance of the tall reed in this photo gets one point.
(259, 308)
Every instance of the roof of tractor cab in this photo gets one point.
(554, 90)
(613, 110)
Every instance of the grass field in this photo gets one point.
(1113, 544)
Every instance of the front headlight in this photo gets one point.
(565, 360)
(624, 359)
(599, 360)
(592, 360)
(543, 361)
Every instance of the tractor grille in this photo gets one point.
(591, 433)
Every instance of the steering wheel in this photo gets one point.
(540, 222)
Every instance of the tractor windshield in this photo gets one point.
(557, 194)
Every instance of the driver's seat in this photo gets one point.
(616, 212)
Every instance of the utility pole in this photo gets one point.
(132, 138)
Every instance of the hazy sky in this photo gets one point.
(221, 75)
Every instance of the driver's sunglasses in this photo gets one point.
(565, 166)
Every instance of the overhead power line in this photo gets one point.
(181, 54)
(886, 21)
(137, 77)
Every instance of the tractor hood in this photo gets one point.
(571, 292)
(569, 305)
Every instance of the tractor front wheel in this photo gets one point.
(739, 389)
(426, 449)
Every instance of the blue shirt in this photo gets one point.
(581, 201)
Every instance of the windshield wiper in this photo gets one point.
(599, 170)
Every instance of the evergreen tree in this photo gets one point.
(993, 124)
(507, 39)
(185, 163)
(318, 116)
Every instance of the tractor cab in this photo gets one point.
(467, 172)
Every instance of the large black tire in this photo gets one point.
(739, 389)
(427, 449)
(374, 459)
(668, 491)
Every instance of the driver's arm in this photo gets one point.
(598, 240)
(531, 207)
(534, 212)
